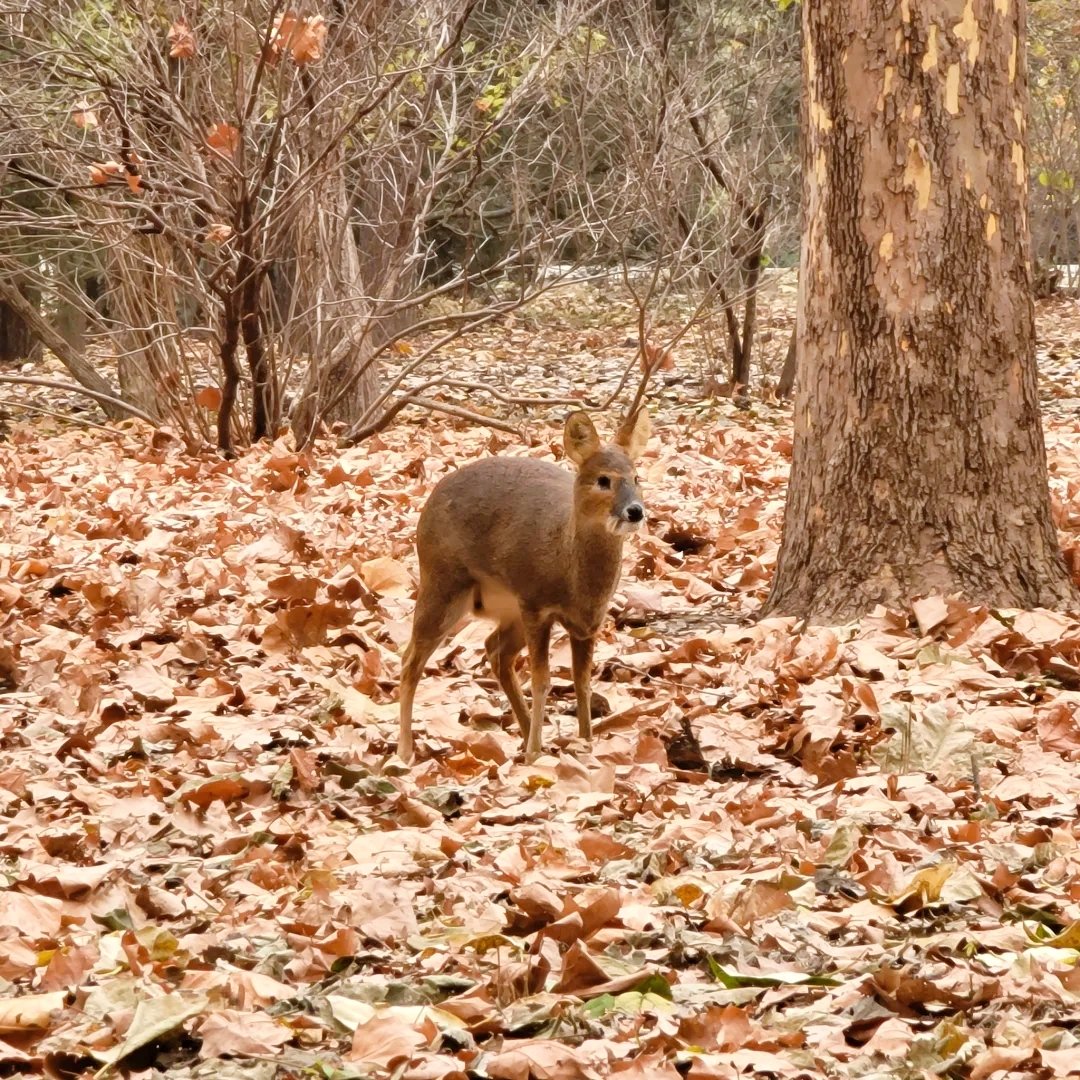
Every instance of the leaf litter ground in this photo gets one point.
(212, 867)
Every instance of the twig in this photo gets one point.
(614, 395)
(383, 421)
(74, 388)
(466, 414)
(511, 399)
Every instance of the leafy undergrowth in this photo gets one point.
(214, 867)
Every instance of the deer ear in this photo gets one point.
(579, 437)
(634, 434)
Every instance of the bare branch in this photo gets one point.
(114, 404)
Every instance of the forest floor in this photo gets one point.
(213, 867)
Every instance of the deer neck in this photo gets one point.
(595, 564)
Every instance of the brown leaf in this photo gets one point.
(34, 916)
(101, 172)
(223, 139)
(1059, 729)
(520, 978)
(651, 1066)
(208, 397)
(542, 1059)
(303, 38)
(154, 1017)
(579, 971)
(281, 34)
(1061, 1062)
(132, 177)
(537, 902)
(385, 1041)
(217, 789)
(912, 985)
(930, 612)
(656, 358)
(1043, 627)
(597, 906)
(386, 576)
(434, 1067)
(228, 1032)
(83, 115)
(67, 968)
(1000, 1059)
(181, 40)
(308, 40)
(219, 232)
(149, 686)
(30, 1011)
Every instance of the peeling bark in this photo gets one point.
(918, 464)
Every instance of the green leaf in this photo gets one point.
(842, 845)
(117, 919)
(656, 985)
(599, 1006)
(630, 1002)
(731, 979)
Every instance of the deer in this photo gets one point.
(526, 544)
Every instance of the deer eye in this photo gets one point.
(603, 482)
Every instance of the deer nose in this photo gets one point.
(635, 512)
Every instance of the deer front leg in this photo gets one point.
(538, 639)
(581, 657)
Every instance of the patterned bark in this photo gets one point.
(919, 464)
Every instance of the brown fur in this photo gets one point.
(526, 544)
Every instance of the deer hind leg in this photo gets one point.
(503, 645)
(438, 609)
(538, 638)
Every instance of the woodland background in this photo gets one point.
(409, 236)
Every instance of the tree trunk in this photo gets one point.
(787, 373)
(143, 288)
(81, 368)
(918, 463)
(338, 327)
(17, 341)
(335, 294)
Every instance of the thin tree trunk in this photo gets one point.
(918, 463)
(740, 366)
(249, 295)
(787, 373)
(754, 220)
(230, 372)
